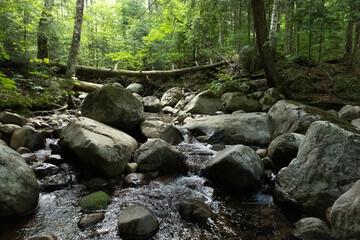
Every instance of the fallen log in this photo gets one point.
(86, 86)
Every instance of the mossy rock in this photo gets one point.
(94, 201)
(232, 86)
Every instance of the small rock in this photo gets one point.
(3, 143)
(55, 148)
(12, 118)
(6, 130)
(55, 182)
(90, 220)
(195, 210)
(238, 112)
(158, 129)
(27, 137)
(137, 179)
(349, 113)
(168, 109)
(29, 157)
(23, 150)
(95, 201)
(43, 237)
(261, 152)
(312, 229)
(151, 104)
(55, 159)
(268, 163)
(356, 122)
(97, 182)
(45, 169)
(171, 97)
(131, 167)
(136, 88)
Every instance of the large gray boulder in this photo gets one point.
(238, 101)
(137, 222)
(205, 103)
(158, 129)
(291, 116)
(151, 104)
(284, 148)
(245, 128)
(345, 217)
(27, 137)
(326, 166)
(11, 118)
(349, 112)
(98, 146)
(6, 130)
(114, 106)
(19, 190)
(237, 166)
(158, 155)
(311, 228)
(171, 97)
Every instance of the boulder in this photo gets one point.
(55, 182)
(27, 137)
(158, 155)
(45, 169)
(349, 112)
(3, 143)
(271, 96)
(236, 166)
(19, 190)
(158, 129)
(94, 201)
(245, 128)
(151, 104)
(246, 58)
(205, 103)
(232, 86)
(290, 116)
(326, 166)
(345, 217)
(356, 123)
(238, 101)
(98, 146)
(195, 210)
(137, 222)
(284, 148)
(171, 97)
(311, 228)
(136, 88)
(90, 220)
(6, 130)
(114, 106)
(12, 118)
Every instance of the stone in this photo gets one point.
(136, 88)
(43, 237)
(171, 97)
(284, 148)
(29, 157)
(232, 86)
(205, 103)
(349, 112)
(268, 163)
(181, 104)
(97, 146)
(246, 58)
(195, 211)
(12, 118)
(345, 217)
(168, 109)
(238, 101)
(137, 222)
(114, 106)
(23, 150)
(181, 117)
(55, 159)
(236, 166)
(151, 104)
(356, 123)
(137, 179)
(27, 137)
(311, 228)
(271, 96)
(247, 128)
(131, 167)
(98, 182)
(158, 155)
(55, 182)
(19, 190)
(325, 167)
(55, 148)
(158, 129)
(3, 143)
(138, 97)
(90, 220)
(94, 201)
(261, 152)
(291, 116)
(7, 130)
(45, 169)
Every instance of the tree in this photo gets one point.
(74, 49)
(42, 30)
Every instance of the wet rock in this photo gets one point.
(3, 143)
(97, 182)
(90, 220)
(54, 159)
(27, 137)
(326, 166)
(6, 130)
(45, 169)
(195, 210)
(55, 182)
(349, 112)
(29, 157)
(248, 128)
(345, 217)
(137, 222)
(239, 101)
(333, 112)
(181, 117)
(356, 122)
(94, 201)
(180, 105)
(271, 96)
(12, 118)
(137, 179)
(205, 103)
(312, 229)
(158, 155)
(284, 148)
(268, 163)
(165, 131)
(138, 97)
(171, 97)
(261, 152)
(114, 106)
(168, 109)
(55, 148)
(131, 167)
(97, 146)
(151, 104)
(236, 166)
(19, 190)
(136, 88)
(23, 150)
(43, 237)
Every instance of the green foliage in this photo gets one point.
(7, 83)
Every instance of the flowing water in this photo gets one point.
(237, 217)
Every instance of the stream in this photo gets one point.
(237, 217)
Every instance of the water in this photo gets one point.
(237, 217)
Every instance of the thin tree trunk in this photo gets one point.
(249, 24)
(289, 27)
(354, 55)
(310, 29)
(43, 27)
(297, 26)
(349, 39)
(74, 49)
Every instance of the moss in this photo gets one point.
(95, 201)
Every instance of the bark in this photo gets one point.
(349, 39)
(310, 29)
(272, 75)
(297, 26)
(74, 49)
(42, 40)
(354, 55)
(288, 43)
(86, 86)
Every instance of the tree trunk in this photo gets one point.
(354, 55)
(297, 26)
(289, 27)
(272, 75)
(74, 49)
(310, 29)
(349, 39)
(249, 24)
(43, 26)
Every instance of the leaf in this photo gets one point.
(46, 60)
